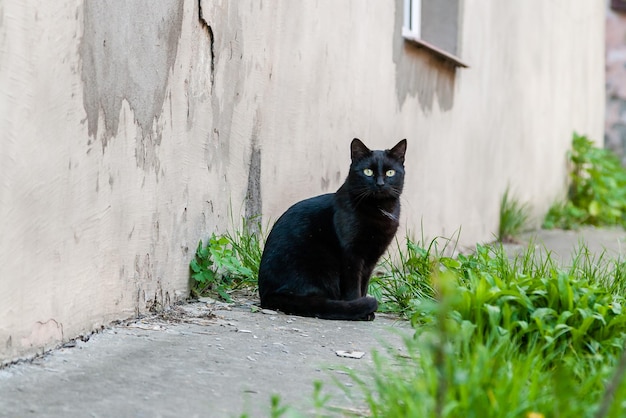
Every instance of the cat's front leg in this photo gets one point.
(366, 273)
(351, 286)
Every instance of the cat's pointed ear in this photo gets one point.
(398, 151)
(358, 150)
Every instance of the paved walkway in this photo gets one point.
(200, 360)
(563, 245)
(213, 360)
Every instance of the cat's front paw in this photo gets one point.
(369, 317)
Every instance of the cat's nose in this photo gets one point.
(380, 182)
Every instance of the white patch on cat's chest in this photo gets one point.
(389, 214)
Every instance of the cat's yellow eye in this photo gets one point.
(368, 172)
(390, 173)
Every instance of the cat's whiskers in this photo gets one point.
(396, 192)
(366, 192)
(361, 195)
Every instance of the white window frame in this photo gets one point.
(412, 19)
(412, 32)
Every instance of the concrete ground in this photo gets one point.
(208, 359)
(608, 243)
(197, 360)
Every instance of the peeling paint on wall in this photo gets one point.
(209, 31)
(127, 52)
(44, 333)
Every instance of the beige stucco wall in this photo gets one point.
(130, 131)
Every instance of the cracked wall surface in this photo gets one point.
(130, 132)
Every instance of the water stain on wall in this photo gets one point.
(419, 73)
(254, 204)
(127, 52)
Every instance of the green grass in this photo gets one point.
(514, 217)
(448, 374)
(502, 337)
(401, 279)
(529, 297)
(228, 262)
(597, 192)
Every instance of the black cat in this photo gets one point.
(320, 254)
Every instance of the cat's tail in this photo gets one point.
(361, 309)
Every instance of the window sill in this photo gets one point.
(420, 43)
